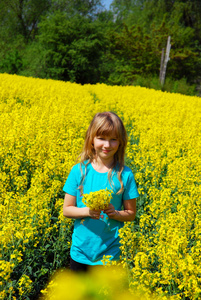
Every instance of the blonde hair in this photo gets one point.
(105, 124)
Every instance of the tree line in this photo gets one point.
(80, 41)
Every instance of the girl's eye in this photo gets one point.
(100, 138)
(105, 138)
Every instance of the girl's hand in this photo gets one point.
(94, 214)
(110, 211)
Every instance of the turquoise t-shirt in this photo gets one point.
(92, 239)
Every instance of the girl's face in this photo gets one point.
(105, 146)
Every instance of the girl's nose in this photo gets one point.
(107, 143)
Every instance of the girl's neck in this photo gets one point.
(102, 166)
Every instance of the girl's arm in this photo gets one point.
(128, 214)
(70, 210)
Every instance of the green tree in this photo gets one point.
(143, 30)
(74, 7)
(19, 23)
(136, 52)
(73, 47)
(18, 26)
(21, 17)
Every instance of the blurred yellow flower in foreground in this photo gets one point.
(109, 283)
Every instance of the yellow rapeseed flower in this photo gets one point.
(98, 200)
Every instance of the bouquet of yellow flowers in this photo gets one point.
(98, 200)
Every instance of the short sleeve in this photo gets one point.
(130, 189)
(72, 182)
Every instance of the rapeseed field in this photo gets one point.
(42, 128)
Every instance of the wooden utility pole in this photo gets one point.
(164, 61)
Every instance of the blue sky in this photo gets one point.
(107, 3)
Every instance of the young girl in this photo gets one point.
(102, 166)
